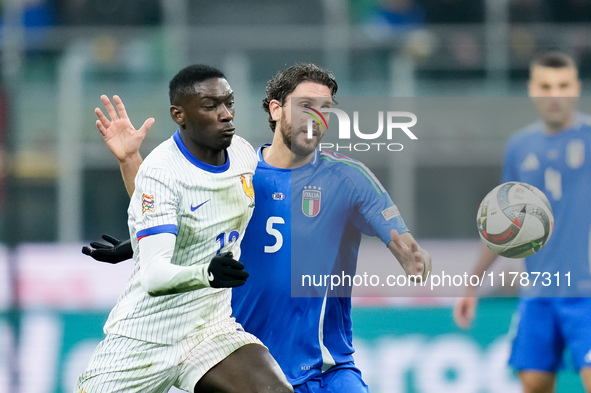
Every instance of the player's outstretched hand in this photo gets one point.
(118, 251)
(464, 311)
(415, 261)
(226, 272)
(117, 131)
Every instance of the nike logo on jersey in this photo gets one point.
(193, 208)
(210, 277)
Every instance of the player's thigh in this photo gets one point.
(586, 378)
(343, 380)
(250, 369)
(121, 364)
(538, 343)
(575, 323)
(222, 349)
(537, 381)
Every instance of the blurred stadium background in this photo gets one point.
(60, 187)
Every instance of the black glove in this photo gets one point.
(226, 272)
(118, 252)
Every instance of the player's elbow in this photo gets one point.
(153, 284)
(157, 292)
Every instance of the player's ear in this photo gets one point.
(178, 115)
(275, 108)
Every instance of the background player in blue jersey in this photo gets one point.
(554, 155)
(311, 336)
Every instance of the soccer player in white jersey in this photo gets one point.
(312, 337)
(193, 198)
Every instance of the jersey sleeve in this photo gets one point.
(374, 212)
(156, 203)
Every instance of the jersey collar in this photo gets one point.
(197, 162)
(313, 161)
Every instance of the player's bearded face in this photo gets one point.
(295, 136)
(307, 97)
(557, 112)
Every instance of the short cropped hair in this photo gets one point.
(183, 83)
(552, 59)
(286, 81)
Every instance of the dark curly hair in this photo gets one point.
(183, 83)
(286, 81)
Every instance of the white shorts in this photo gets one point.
(122, 364)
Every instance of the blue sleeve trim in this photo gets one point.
(197, 162)
(168, 228)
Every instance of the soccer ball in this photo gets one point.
(515, 220)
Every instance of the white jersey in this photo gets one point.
(208, 208)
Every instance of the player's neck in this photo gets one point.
(280, 156)
(204, 154)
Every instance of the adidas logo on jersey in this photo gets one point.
(530, 163)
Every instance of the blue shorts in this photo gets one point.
(548, 326)
(340, 379)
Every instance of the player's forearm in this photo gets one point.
(160, 277)
(129, 168)
(485, 261)
(171, 279)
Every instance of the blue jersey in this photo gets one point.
(313, 215)
(560, 166)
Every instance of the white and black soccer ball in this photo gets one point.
(515, 220)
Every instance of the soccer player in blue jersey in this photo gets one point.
(553, 155)
(311, 336)
(313, 344)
